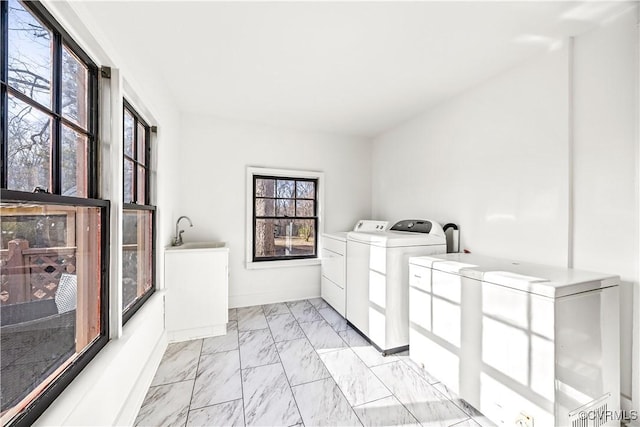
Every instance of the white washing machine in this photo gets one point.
(377, 287)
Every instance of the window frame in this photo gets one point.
(139, 302)
(135, 205)
(147, 156)
(60, 39)
(51, 392)
(282, 174)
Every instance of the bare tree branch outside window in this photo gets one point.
(30, 125)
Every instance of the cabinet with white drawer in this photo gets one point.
(334, 271)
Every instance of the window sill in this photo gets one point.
(282, 264)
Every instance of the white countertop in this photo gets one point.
(545, 280)
(338, 235)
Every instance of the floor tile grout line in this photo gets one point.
(276, 314)
(358, 356)
(312, 306)
(460, 422)
(306, 338)
(193, 389)
(219, 336)
(469, 415)
(215, 404)
(244, 414)
(313, 381)
(325, 366)
(284, 314)
(374, 400)
(394, 395)
(260, 366)
(379, 379)
(285, 372)
(438, 391)
(366, 367)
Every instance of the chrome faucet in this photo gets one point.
(177, 240)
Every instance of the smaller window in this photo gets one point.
(285, 217)
(136, 157)
(138, 253)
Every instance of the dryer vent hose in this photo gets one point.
(453, 242)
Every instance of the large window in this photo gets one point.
(53, 229)
(48, 85)
(138, 255)
(285, 217)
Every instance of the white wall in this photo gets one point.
(109, 391)
(492, 160)
(605, 176)
(496, 160)
(212, 166)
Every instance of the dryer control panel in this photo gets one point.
(413, 226)
(371, 225)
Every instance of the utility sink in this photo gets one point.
(198, 245)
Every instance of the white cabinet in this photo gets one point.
(334, 271)
(518, 340)
(197, 296)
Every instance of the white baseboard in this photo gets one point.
(197, 333)
(271, 297)
(129, 411)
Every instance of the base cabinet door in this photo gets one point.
(334, 295)
(196, 301)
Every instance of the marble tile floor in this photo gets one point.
(295, 364)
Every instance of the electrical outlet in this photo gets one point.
(524, 420)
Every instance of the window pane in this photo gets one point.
(265, 188)
(306, 190)
(305, 208)
(286, 189)
(128, 133)
(285, 207)
(284, 237)
(142, 132)
(141, 199)
(74, 163)
(74, 88)
(30, 54)
(303, 237)
(136, 256)
(265, 207)
(29, 147)
(51, 268)
(265, 238)
(128, 181)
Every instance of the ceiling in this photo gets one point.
(353, 68)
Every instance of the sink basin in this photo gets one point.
(198, 245)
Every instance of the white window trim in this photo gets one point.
(292, 173)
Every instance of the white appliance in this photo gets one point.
(525, 344)
(334, 263)
(377, 285)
